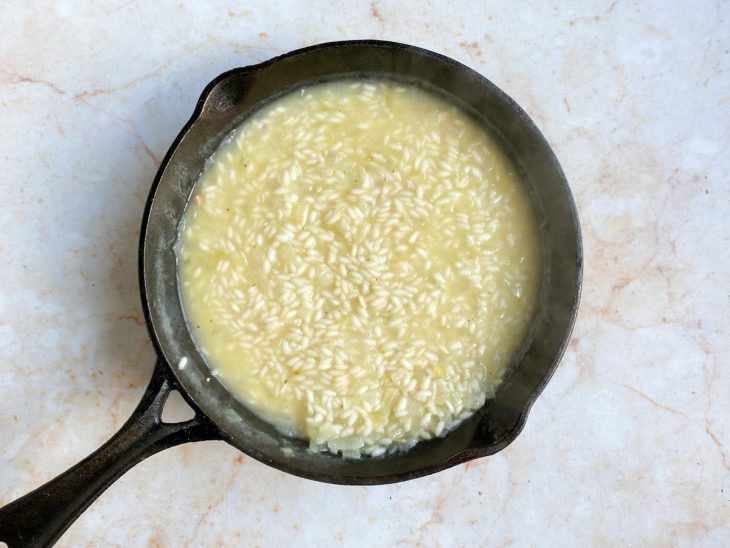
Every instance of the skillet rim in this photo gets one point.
(473, 451)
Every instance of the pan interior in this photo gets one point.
(223, 106)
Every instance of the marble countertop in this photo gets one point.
(630, 442)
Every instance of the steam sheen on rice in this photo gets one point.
(359, 264)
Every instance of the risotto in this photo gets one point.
(359, 263)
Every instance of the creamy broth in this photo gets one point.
(360, 262)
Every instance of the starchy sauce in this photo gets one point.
(360, 262)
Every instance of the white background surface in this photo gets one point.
(629, 444)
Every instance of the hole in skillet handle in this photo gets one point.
(41, 517)
(177, 409)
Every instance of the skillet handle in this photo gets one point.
(40, 517)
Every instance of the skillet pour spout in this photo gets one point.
(40, 517)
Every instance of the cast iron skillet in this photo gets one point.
(44, 514)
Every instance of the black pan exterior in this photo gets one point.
(224, 104)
